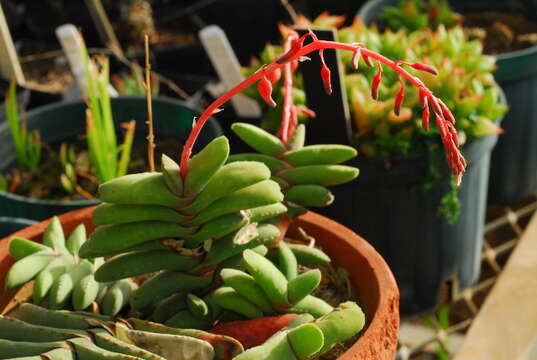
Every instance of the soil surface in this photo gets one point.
(500, 32)
(44, 183)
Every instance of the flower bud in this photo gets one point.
(275, 75)
(399, 98)
(356, 58)
(325, 76)
(376, 83)
(264, 87)
(424, 67)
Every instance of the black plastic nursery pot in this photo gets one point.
(388, 206)
(9, 225)
(61, 121)
(513, 170)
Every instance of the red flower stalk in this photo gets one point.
(290, 112)
(444, 118)
(305, 111)
(283, 133)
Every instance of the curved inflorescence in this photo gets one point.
(297, 51)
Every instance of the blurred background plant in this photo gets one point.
(464, 82)
(499, 31)
(109, 159)
(27, 145)
(132, 83)
(439, 322)
(412, 15)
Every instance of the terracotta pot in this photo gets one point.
(370, 276)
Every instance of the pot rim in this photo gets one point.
(378, 340)
(16, 220)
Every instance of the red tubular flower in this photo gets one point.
(399, 98)
(447, 114)
(356, 58)
(325, 76)
(424, 67)
(274, 76)
(440, 125)
(264, 87)
(376, 83)
(367, 60)
(295, 48)
(425, 114)
(453, 132)
(305, 111)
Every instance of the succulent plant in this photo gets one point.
(214, 215)
(267, 289)
(306, 338)
(156, 221)
(61, 277)
(38, 333)
(464, 81)
(412, 15)
(303, 172)
(385, 114)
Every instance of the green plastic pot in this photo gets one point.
(513, 169)
(61, 121)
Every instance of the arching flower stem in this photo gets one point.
(297, 49)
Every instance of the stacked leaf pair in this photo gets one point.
(303, 172)
(266, 290)
(158, 221)
(61, 277)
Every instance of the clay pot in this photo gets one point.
(371, 278)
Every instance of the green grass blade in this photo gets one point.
(126, 147)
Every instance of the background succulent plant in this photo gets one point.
(62, 278)
(464, 82)
(412, 15)
(386, 116)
